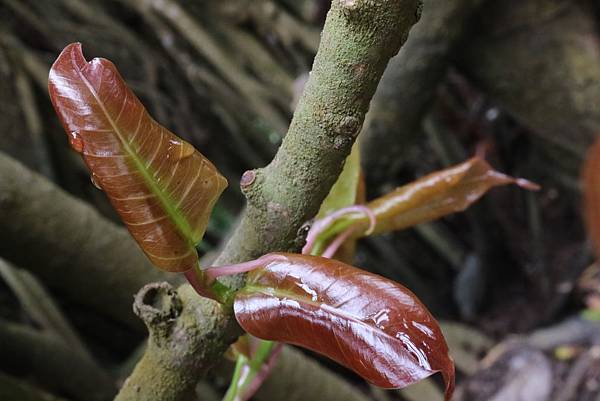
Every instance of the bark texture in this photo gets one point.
(188, 334)
(359, 38)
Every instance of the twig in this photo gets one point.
(358, 39)
(571, 331)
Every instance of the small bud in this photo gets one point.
(247, 179)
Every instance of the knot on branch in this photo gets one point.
(350, 5)
(247, 179)
(158, 305)
(349, 126)
(251, 185)
(346, 130)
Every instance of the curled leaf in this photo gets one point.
(163, 189)
(363, 321)
(439, 194)
(428, 198)
(591, 194)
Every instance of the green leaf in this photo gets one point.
(344, 191)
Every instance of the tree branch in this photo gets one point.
(358, 40)
(187, 335)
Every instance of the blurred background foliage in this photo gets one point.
(518, 79)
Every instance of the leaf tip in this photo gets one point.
(591, 194)
(526, 184)
(449, 379)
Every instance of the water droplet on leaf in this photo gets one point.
(186, 150)
(180, 149)
(76, 141)
(95, 181)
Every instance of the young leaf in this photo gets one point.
(365, 322)
(348, 190)
(163, 189)
(344, 192)
(428, 198)
(591, 194)
(347, 251)
(439, 194)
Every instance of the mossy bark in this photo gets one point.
(358, 39)
(69, 245)
(188, 334)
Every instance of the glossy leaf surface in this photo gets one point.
(163, 189)
(436, 195)
(365, 322)
(591, 194)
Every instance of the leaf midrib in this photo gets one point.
(272, 291)
(167, 204)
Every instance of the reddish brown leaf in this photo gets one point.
(365, 322)
(162, 188)
(438, 194)
(591, 194)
